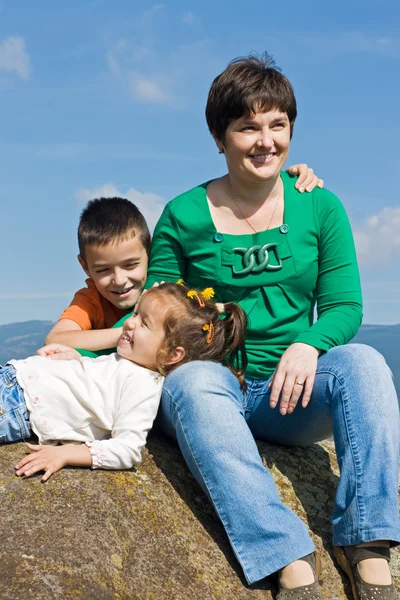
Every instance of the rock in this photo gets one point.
(147, 535)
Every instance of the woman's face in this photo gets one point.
(256, 147)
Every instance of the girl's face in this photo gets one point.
(256, 147)
(143, 334)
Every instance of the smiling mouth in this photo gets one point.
(262, 158)
(126, 338)
(122, 292)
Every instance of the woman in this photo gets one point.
(251, 236)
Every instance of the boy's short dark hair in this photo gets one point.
(106, 220)
(247, 85)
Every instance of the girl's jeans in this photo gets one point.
(214, 423)
(14, 416)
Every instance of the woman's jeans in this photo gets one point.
(14, 416)
(214, 423)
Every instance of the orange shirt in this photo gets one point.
(91, 311)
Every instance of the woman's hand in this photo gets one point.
(307, 179)
(42, 458)
(293, 376)
(58, 352)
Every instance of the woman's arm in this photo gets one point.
(338, 293)
(339, 307)
(167, 261)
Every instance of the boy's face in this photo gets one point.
(118, 269)
(143, 334)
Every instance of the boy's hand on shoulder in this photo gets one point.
(58, 352)
(49, 459)
(307, 179)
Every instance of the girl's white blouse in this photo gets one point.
(108, 402)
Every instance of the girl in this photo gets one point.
(100, 409)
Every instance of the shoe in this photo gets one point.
(304, 592)
(348, 558)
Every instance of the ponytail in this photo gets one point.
(235, 325)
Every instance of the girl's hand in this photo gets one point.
(58, 352)
(42, 458)
(293, 376)
(307, 180)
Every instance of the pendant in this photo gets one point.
(256, 259)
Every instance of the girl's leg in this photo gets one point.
(14, 416)
(204, 408)
(354, 393)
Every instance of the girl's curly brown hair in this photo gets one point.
(206, 330)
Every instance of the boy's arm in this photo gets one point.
(69, 333)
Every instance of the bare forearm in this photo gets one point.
(51, 459)
(99, 339)
(75, 455)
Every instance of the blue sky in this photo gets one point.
(101, 97)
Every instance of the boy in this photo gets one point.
(114, 243)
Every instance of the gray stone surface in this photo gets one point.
(149, 535)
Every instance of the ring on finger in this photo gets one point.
(299, 383)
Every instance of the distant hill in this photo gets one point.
(386, 339)
(18, 340)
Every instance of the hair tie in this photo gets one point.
(193, 294)
(210, 328)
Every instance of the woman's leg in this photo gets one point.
(14, 416)
(204, 408)
(354, 395)
(366, 424)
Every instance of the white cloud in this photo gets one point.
(190, 18)
(162, 77)
(147, 90)
(153, 10)
(156, 89)
(150, 204)
(14, 58)
(378, 237)
(355, 42)
(143, 51)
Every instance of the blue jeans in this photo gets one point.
(215, 425)
(14, 416)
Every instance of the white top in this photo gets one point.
(108, 402)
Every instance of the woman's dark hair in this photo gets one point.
(205, 329)
(248, 85)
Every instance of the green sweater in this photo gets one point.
(309, 260)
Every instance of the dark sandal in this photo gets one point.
(304, 592)
(348, 558)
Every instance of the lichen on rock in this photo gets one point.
(149, 534)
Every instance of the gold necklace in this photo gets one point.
(241, 212)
